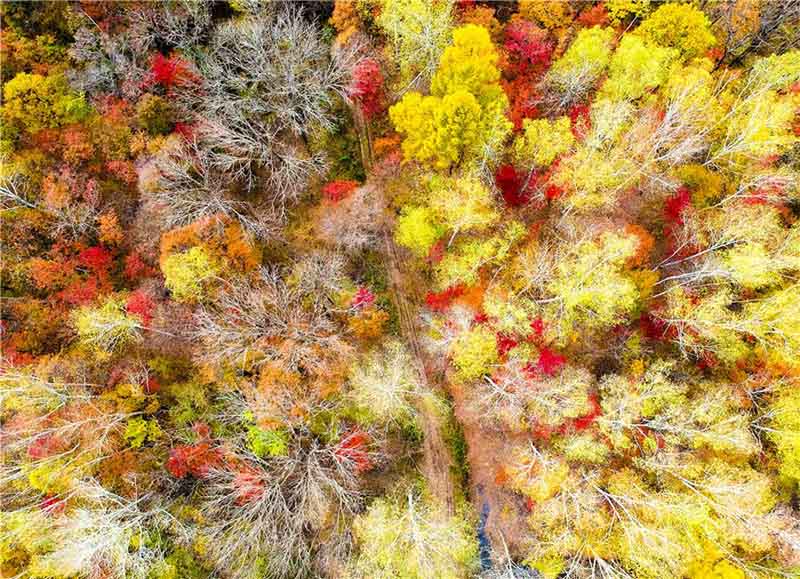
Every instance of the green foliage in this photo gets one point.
(266, 443)
(186, 273)
(679, 26)
(139, 430)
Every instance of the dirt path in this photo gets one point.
(407, 297)
(437, 461)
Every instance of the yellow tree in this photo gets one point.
(464, 117)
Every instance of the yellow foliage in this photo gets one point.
(549, 13)
(474, 353)
(636, 68)
(585, 59)
(465, 114)
(418, 32)
(591, 287)
(619, 10)
(186, 273)
(542, 141)
(679, 26)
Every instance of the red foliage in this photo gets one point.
(675, 206)
(542, 431)
(97, 259)
(707, 361)
(136, 268)
(480, 318)
(186, 130)
(436, 252)
(81, 292)
(44, 446)
(151, 386)
(527, 47)
(52, 505)
(553, 192)
(581, 121)
(597, 15)
(505, 343)
(715, 54)
(142, 305)
(363, 298)
(652, 327)
(549, 362)
(249, 485)
(123, 170)
(351, 449)
(440, 301)
(169, 72)
(335, 191)
(192, 459)
(77, 145)
(367, 88)
(512, 185)
(585, 421)
(537, 326)
(523, 99)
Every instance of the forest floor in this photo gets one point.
(505, 514)
(437, 459)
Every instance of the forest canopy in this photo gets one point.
(400, 289)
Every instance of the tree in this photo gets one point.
(474, 353)
(464, 118)
(269, 83)
(108, 327)
(417, 229)
(32, 102)
(590, 286)
(679, 26)
(408, 537)
(542, 141)
(574, 74)
(636, 67)
(187, 273)
(384, 385)
(418, 32)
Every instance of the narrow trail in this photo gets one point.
(437, 460)
(407, 297)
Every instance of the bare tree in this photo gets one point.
(267, 318)
(355, 222)
(269, 81)
(189, 187)
(272, 510)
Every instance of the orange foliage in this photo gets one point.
(221, 236)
